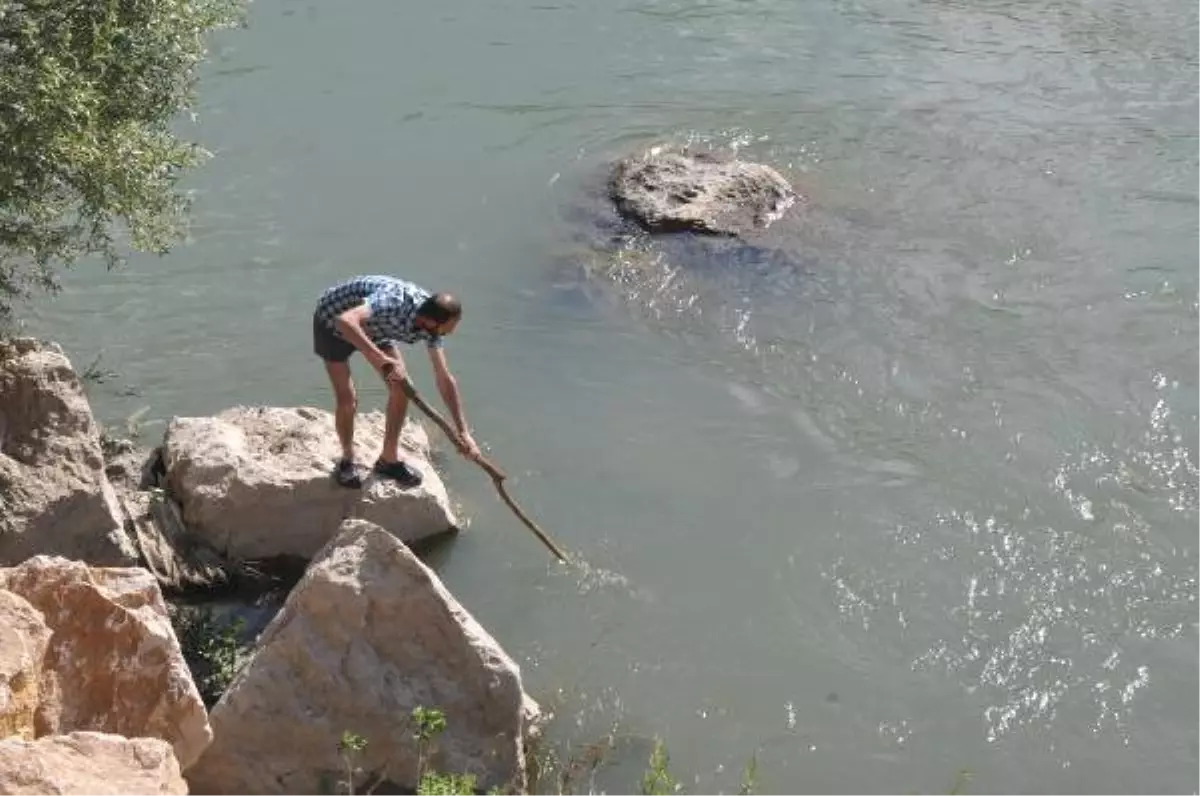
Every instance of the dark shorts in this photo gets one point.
(327, 345)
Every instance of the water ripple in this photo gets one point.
(1045, 613)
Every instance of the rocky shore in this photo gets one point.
(99, 537)
(114, 559)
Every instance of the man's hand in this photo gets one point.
(393, 371)
(467, 446)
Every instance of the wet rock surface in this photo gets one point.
(670, 191)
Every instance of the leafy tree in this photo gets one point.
(88, 92)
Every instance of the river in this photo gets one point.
(924, 505)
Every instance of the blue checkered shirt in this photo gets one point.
(393, 303)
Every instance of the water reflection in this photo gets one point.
(1050, 612)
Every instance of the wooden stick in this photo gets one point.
(492, 470)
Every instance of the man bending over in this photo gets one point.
(374, 314)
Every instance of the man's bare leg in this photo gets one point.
(346, 406)
(397, 410)
(390, 463)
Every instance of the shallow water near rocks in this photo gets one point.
(944, 467)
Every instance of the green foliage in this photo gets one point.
(95, 373)
(546, 767)
(429, 723)
(960, 782)
(210, 649)
(350, 747)
(657, 781)
(88, 92)
(433, 784)
(749, 776)
(351, 743)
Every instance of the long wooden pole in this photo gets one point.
(492, 470)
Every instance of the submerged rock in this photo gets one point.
(89, 762)
(113, 662)
(54, 496)
(684, 238)
(255, 482)
(367, 635)
(666, 191)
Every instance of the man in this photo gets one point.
(374, 314)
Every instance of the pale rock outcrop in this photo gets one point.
(113, 663)
(670, 191)
(89, 762)
(368, 634)
(23, 640)
(54, 496)
(255, 482)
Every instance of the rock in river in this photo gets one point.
(667, 191)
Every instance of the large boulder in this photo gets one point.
(256, 483)
(668, 191)
(23, 641)
(89, 762)
(54, 496)
(113, 663)
(368, 634)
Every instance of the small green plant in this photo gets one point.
(210, 649)
(94, 373)
(350, 747)
(428, 724)
(657, 781)
(133, 423)
(960, 782)
(434, 784)
(749, 776)
(551, 770)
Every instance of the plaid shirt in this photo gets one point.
(393, 303)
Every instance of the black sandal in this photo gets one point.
(346, 474)
(399, 472)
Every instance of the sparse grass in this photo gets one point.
(562, 771)
(95, 373)
(545, 766)
(134, 423)
(961, 780)
(749, 776)
(350, 747)
(658, 781)
(210, 648)
(960, 783)
(428, 724)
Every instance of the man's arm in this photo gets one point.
(448, 387)
(349, 323)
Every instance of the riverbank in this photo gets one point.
(227, 512)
